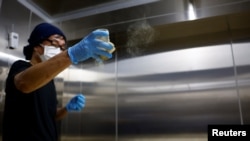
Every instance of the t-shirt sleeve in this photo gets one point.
(16, 68)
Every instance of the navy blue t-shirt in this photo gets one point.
(29, 117)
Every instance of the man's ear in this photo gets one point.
(38, 49)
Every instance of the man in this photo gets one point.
(30, 111)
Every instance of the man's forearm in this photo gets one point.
(41, 73)
(61, 113)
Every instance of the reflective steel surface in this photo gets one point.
(175, 70)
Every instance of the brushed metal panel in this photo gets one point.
(175, 105)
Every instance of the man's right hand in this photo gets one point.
(91, 47)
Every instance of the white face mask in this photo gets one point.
(49, 52)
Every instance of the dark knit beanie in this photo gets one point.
(38, 35)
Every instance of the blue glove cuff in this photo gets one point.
(67, 108)
(72, 58)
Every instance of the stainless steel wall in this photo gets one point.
(169, 78)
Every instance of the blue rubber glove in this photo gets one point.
(77, 103)
(90, 46)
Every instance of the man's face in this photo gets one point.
(56, 41)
